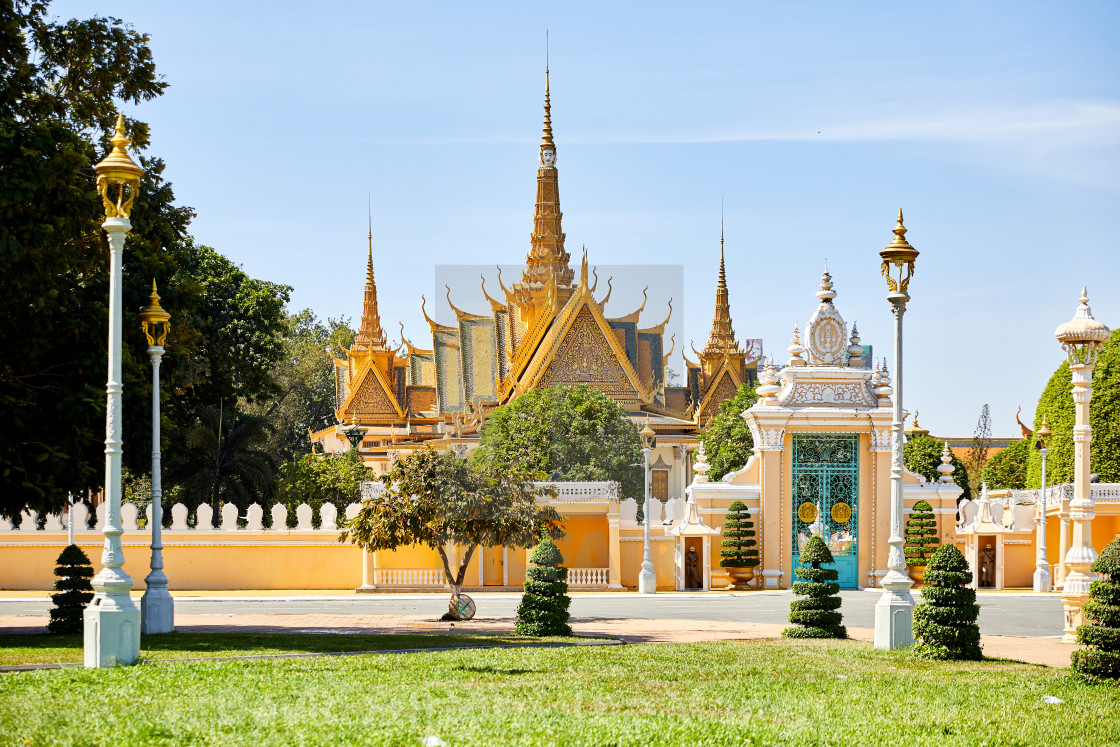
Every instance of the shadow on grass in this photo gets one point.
(44, 649)
(494, 670)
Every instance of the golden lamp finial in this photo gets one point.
(153, 314)
(119, 169)
(900, 255)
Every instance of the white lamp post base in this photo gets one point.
(157, 609)
(647, 581)
(894, 616)
(1041, 580)
(112, 632)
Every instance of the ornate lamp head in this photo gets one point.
(898, 261)
(648, 436)
(117, 168)
(1043, 434)
(154, 320)
(1083, 336)
(354, 433)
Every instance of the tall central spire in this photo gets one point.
(370, 337)
(547, 261)
(722, 338)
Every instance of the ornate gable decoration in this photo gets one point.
(371, 398)
(827, 334)
(585, 357)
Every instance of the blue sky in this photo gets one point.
(994, 125)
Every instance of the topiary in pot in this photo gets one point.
(544, 605)
(816, 616)
(921, 537)
(73, 589)
(738, 553)
(945, 623)
(1102, 635)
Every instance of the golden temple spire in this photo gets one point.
(370, 337)
(547, 261)
(722, 337)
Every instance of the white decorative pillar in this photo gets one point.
(647, 579)
(112, 619)
(157, 608)
(894, 612)
(1082, 338)
(1042, 581)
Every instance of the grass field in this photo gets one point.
(769, 692)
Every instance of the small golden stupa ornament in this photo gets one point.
(119, 169)
(898, 255)
(154, 315)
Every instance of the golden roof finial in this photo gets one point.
(154, 314)
(722, 337)
(899, 232)
(370, 334)
(547, 142)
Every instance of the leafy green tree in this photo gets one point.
(73, 591)
(727, 440)
(922, 455)
(220, 460)
(544, 604)
(816, 616)
(434, 498)
(59, 89)
(921, 534)
(1007, 470)
(576, 433)
(315, 480)
(945, 623)
(303, 398)
(1102, 633)
(1056, 405)
(980, 447)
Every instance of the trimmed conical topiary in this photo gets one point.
(73, 589)
(921, 535)
(738, 549)
(945, 623)
(816, 616)
(544, 605)
(1102, 634)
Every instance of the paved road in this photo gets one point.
(1000, 614)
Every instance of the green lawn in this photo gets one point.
(53, 649)
(769, 692)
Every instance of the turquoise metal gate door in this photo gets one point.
(826, 499)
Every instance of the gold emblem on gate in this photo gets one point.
(841, 512)
(807, 512)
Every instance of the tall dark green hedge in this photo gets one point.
(73, 591)
(1007, 470)
(1102, 634)
(921, 534)
(816, 616)
(1056, 404)
(544, 605)
(739, 546)
(945, 623)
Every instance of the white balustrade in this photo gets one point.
(279, 517)
(179, 517)
(129, 513)
(81, 517)
(254, 518)
(588, 576)
(577, 492)
(628, 511)
(303, 517)
(328, 517)
(53, 523)
(229, 518)
(408, 577)
(352, 510)
(205, 516)
(28, 520)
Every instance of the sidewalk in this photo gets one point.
(1049, 652)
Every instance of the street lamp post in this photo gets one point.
(894, 612)
(1042, 580)
(112, 619)
(647, 579)
(157, 608)
(354, 433)
(1082, 338)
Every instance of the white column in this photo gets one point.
(1081, 554)
(112, 619)
(894, 612)
(157, 608)
(647, 579)
(1042, 582)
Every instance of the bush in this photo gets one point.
(817, 615)
(1102, 634)
(922, 455)
(738, 549)
(74, 591)
(921, 535)
(945, 623)
(544, 605)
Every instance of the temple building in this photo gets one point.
(549, 327)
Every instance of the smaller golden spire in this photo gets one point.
(547, 143)
(154, 314)
(899, 232)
